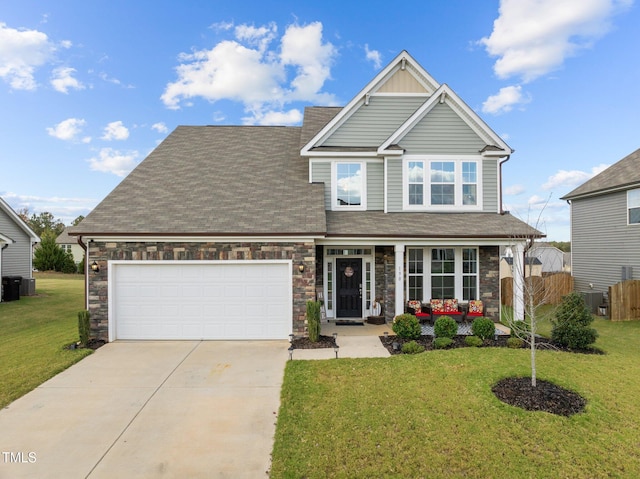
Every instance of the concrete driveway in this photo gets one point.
(150, 409)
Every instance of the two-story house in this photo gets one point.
(224, 232)
(605, 227)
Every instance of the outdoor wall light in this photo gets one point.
(301, 267)
(95, 268)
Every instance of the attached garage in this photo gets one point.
(200, 300)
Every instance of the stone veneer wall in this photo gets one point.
(490, 281)
(385, 284)
(299, 253)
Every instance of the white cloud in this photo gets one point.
(62, 79)
(505, 100)
(291, 117)
(69, 130)
(571, 178)
(115, 131)
(160, 127)
(21, 53)
(514, 190)
(373, 56)
(534, 37)
(113, 161)
(249, 70)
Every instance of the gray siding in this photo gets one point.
(371, 125)
(490, 197)
(394, 185)
(16, 257)
(321, 173)
(375, 186)
(602, 242)
(442, 131)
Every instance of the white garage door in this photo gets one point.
(200, 300)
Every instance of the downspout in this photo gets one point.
(86, 272)
(500, 181)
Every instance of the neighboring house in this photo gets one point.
(224, 232)
(70, 244)
(551, 258)
(16, 248)
(605, 227)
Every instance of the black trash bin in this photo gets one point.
(11, 288)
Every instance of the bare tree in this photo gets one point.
(529, 291)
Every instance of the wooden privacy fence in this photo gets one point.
(545, 289)
(624, 300)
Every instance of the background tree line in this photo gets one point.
(48, 255)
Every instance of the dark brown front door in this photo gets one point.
(349, 286)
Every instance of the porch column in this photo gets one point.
(518, 282)
(399, 264)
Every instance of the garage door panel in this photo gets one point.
(201, 301)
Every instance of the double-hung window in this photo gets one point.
(633, 205)
(441, 184)
(348, 185)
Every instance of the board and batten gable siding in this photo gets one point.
(442, 131)
(321, 173)
(602, 242)
(372, 124)
(16, 257)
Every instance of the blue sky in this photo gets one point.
(88, 89)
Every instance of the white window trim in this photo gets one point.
(427, 159)
(458, 275)
(334, 186)
(629, 207)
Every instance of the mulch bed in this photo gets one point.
(92, 344)
(305, 343)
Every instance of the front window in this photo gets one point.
(442, 273)
(349, 185)
(441, 184)
(633, 204)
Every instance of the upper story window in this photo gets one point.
(348, 185)
(441, 184)
(633, 205)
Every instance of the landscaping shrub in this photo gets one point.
(445, 327)
(473, 341)
(515, 343)
(442, 343)
(483, 328)
(571, 324)
(520, 329)
(83, 327)
(412, 348)
(406, 326)
(313, 320)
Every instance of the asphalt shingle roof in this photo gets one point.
(625, 172)
(202, 180)
(427, 225)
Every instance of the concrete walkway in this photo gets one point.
(176, 409)
(355, 341)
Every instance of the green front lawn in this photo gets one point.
(34, 332)
(433, 415)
